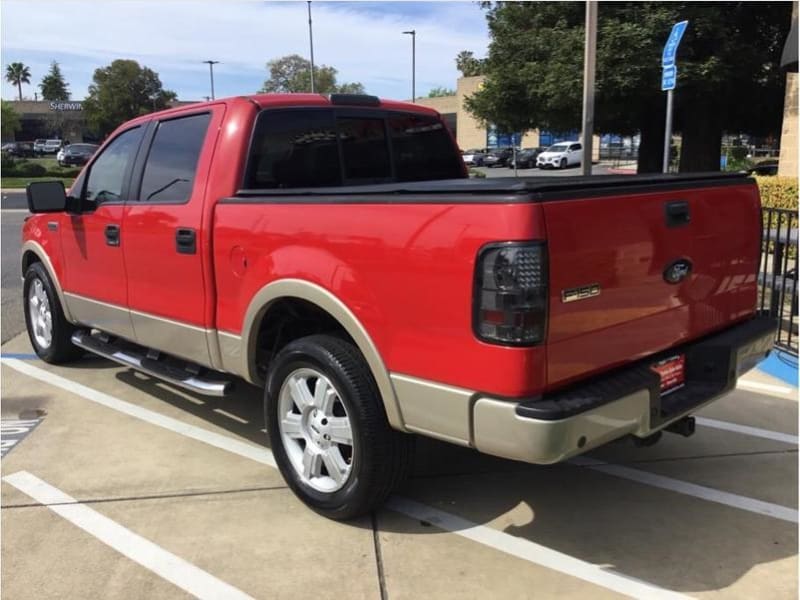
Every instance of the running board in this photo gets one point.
(137, 359)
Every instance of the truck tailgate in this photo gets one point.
(611, 257)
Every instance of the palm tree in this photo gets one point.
(17, 74)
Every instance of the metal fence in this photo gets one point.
(777, 277)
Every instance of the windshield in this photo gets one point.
(558, 148)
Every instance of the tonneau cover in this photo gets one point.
(531, 187)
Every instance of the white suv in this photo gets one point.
(560, 155)
(52, 146)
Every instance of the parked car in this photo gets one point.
(766, 167)
(38, 146)
(52, 146)
(76, 154)
(560, 156)
(526, 159)
(498, 157)
(334, 252)
(474, 157)
(18, 149)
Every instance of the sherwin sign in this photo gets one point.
(66, 106)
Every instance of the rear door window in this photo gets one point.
(172, 161)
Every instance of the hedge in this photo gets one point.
(778, 192)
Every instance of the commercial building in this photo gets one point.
(44, 119)
(470, 133)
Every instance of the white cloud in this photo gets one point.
(174, 36)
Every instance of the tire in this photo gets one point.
(563, 163)
(377, 459)
(40, 298)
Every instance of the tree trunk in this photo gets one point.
(701, 145)
(19, 87)
(651, 144)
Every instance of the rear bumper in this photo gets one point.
(628, 401)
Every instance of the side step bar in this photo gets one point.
(132, 358)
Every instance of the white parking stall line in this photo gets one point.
(231, 416)
(757, 386)
(211, 438)
(530, 551)
(482, 534)
(747, 430)
(690, 489)
(174, 569)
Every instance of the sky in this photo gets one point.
(363, 40)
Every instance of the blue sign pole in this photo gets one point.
(669, 77)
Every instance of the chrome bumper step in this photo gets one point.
(130, 355)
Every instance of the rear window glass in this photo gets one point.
(423, 149)
(364, 148)
(294, 149)
(320, 147)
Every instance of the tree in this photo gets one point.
(441, 91)
(292, 73)
(728, 75)
(9, 120)
(468, 64)
(17, 74)
(53, 85)
(121, 91)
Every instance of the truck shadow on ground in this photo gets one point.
(664, 538)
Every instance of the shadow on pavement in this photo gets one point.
(673, 541)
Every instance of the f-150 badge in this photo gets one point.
(580, 293)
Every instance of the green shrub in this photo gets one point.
(736, 153)
(28, 169)
(7, 162)
(63, 172)
(778, 192)
(477, 174)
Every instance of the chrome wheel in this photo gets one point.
(315, 430)
(41, 317)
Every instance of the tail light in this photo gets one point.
(510, 305)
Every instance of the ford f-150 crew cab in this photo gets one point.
(333, 251)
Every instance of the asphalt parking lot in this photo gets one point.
(119, 486)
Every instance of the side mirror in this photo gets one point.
(46, 196)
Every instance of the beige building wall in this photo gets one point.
(442, 104)
(788, 163)
(471, 134)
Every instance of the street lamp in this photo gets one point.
(211, 64)
(413, 34)
(311, 44)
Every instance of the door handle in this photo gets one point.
(186, 241)
(112, 235)
(677, 213)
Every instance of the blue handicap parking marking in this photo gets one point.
(781, 365)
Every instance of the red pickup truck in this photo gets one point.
(334, 251)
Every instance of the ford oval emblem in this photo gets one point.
(678, 270)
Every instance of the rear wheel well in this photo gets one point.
(289, 319)
(28, 259)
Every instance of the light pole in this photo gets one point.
(589, 53)
(413, 34)
(211, 64)
(311, 45)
